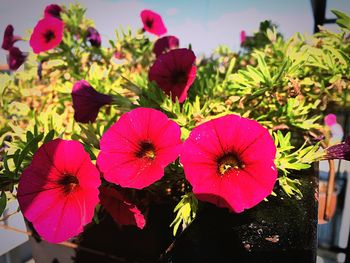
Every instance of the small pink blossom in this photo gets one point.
(9, 38)
(165, 44)
(16, 58)
(87, 101)
(46, 35)
(153, 23)
(174, 72)
(53, 10)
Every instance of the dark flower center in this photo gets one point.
(49, 35)
(68, 182)
(178, 77)
(227, 162)
(149, 23)
(146, 150)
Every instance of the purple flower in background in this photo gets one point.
(16, 58)
(165, 44)
(9, 38)
(87, 101)
(94, 37)
(243, 37)
(339, 151)
(53, 10)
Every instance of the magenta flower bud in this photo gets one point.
(165, 44)
(16, 58)
(53, 10)
(9, 38)
(339, 151)
(87, 101)
(94, 37)
(243, 37)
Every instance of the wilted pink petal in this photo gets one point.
(229, 161)
(165, 44)
(93, 37)
(153, 23)
(120, 208)
(137, 148)
(339, 151)
(9, 38)
(46, 35)
(87, 101)
(16, 58)
(58, 191)
(174, 72)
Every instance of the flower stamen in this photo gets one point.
(146, 150)
(228, 162)
(68, 182)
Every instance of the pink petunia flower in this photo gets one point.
(165, 44)
(9, 38)
(46, 35)
(53, 10)
(58, 191)
(153, 23)
(229, 161)
(87, 101)
(16, 58)
(93, 37)
(137, 148)
(330, 119)
(243, 37)
(120, 208)
(174, 72)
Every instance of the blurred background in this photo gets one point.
(204, 24)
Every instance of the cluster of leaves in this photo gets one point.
(285, 85)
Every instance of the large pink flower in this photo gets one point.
(87, 101)
(9, 38)
(137, 148)
(229, 161)
(58, 191)
(47, 34)
(174, 72)
(120, 208)
(153, 22)
(165, 44)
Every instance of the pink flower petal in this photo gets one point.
(121, 209)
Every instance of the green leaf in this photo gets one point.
(343, 19)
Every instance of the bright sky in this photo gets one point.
(203, 23)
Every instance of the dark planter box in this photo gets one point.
(282, 229)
